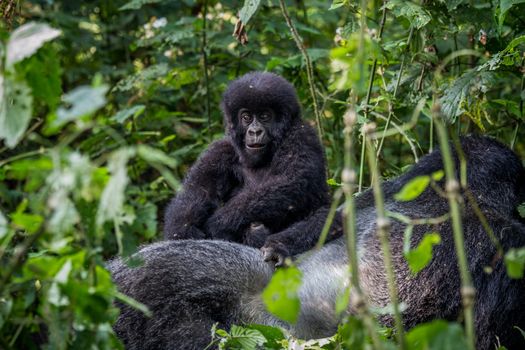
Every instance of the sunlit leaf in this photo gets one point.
(436, 335)
(415, 13)
(515, 262)
(112, 199)
(413, 188)
(281, 295)
(419, 257)
(125, 114)
(248, 10)
(521, 210)
(82, 101)
(243, 338)
(16, 107)
(438, 175)
(137, 4)
(504, 7)
(27, 39)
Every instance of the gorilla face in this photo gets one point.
(257, 130)
(259, 109)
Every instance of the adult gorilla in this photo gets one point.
(267, 173)
(190, 285)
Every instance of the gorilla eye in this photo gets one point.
(266, 116)
(246, 116)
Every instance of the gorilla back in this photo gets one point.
(189, 285)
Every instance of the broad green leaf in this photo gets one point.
(42, 72)
(521, 210)
(16, 107)
(454, 95)
(419, 257)
(438, 175)
(504, 7)
(416, 14)
(27, 39)
(248, 10)
(436, 335)
(352, 334)
(137, 4)
(112, 199)
(153, 155)
(124, 114)
(273, 335)
(281, 295)
(515, 262)
(243, 338)
(82, 101)
(337, 4)
(413, 188)
(29, 222)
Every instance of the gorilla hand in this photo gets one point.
(275, 252)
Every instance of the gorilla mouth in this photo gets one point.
(256, 146)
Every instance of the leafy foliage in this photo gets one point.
(105, 105)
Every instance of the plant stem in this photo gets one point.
(396, 87)
(309, 68)
(205, 62)
(452, 190)
(383, 227)
(349, 215)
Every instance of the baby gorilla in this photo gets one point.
(267, 173)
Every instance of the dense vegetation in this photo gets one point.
(105, 104)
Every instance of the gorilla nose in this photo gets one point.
(255, 132)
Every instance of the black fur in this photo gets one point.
(189, 285)
(229, 188)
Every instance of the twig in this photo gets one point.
(383, 228)
(205, 61)
(468, 293)
(349, 214)
(309, 69)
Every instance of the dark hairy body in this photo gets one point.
(190, 285)
(266, 174)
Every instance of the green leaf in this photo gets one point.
(42, 73)
(273, 335)
(248, 10)
(413, 188)
(504, 7)
(16, 107)
(83, 100)
(416, 14)
(281, 294)
(112, 200)
(243, 338)
(419, 257)
(521, 210)
(124, 114)
(436, 335)
(515, 262)
(27, 39)
(153, 155)
(454, 95)
(337, 4)
(438, 175)
(137, 4)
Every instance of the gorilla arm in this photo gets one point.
(294, 187)
(207, 183)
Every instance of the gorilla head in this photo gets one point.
(259, 108)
